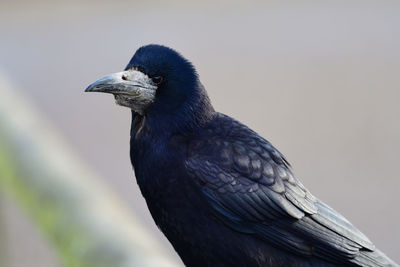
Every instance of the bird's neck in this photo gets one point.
(195, 112)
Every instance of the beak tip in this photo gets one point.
(89, 88)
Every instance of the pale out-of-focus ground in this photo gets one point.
(320, 80)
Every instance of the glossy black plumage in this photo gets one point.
(223, 195)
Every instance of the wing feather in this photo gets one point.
(252, 189)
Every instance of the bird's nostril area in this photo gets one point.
(124, 77)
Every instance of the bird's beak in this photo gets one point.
(131, 88)
(129, 82)
(107, 84)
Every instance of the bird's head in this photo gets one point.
(156, 78)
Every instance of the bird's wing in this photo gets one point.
(252, 190)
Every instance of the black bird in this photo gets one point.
(222, 194)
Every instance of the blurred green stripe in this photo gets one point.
(47, 215)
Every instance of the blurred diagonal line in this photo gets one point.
(3, 252)
(88, 224)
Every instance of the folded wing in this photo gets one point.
(252, 190)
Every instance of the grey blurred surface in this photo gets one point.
(319, 80)
(23, 244)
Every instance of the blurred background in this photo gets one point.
(320, 80)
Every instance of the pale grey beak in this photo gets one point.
(107, 84)
(131, 88)
(125, 82)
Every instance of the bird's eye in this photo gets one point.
(157, 79)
